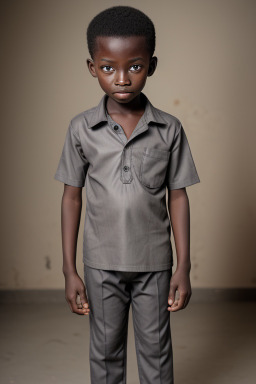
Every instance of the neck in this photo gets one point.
(135, 106)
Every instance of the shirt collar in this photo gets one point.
(99, 114)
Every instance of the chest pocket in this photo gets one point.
(151, 165)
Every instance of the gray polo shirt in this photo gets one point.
(126, 224)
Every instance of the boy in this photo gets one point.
(126, 152)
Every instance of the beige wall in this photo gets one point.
(205, 76)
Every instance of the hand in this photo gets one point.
(74, 286)
(179, 281)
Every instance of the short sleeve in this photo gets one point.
(181, 170)
(73, 165)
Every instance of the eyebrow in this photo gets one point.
(130, 61)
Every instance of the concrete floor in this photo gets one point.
(46, 343)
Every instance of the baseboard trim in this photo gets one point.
(58, 295)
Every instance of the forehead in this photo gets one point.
(121, 46)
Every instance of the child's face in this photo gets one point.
(122, 65)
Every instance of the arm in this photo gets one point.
(71, 207)
(178, 206)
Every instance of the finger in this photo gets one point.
(84, 300)
(86, 308)
(85, 304)
(181, 302)
(82, 297)
(173, 305)
(171, 296)
(187, 300)
(74, 307)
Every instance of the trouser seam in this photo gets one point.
(105, 342)
(159, 339)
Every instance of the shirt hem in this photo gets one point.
(66, 180)
(183, 184)
(129, 268)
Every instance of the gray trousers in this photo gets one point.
(109, 295)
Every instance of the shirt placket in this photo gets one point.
(126, 173)
(118, 130)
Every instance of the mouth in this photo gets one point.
(123, 92)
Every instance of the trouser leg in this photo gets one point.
(109, 302)
(152, 332)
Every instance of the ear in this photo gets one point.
(152, 65)
(91, 67)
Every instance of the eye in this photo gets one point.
(108, 68)
(137, 67)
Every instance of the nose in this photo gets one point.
(122, 78)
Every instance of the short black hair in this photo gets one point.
(121, 21)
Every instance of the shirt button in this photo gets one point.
(126, 168)
(116, 127)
